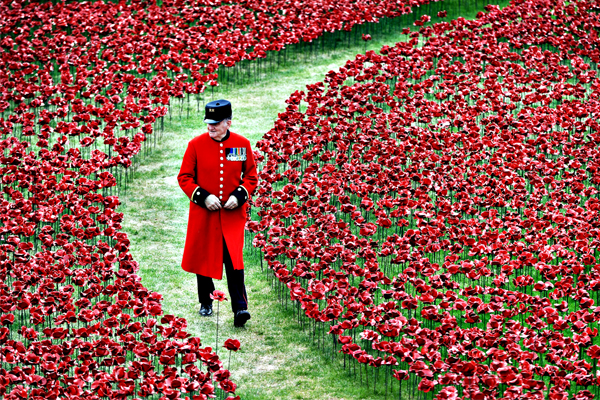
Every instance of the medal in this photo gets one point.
(236, 153)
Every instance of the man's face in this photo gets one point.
(219, 130)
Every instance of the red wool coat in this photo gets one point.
(205, 164)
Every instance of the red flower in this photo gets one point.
(232, 344)
(218, 295)
(7, 319)
(426, 385)
(447, 393)
(401, 375)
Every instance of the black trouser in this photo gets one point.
(235, 284)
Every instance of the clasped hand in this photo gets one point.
(213, 203)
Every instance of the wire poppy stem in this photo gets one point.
(217, 334)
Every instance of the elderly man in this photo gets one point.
(218, 174)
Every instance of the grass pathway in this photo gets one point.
(277, 359)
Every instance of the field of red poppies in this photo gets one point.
(434, 207)
(84, 86)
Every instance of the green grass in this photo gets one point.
(277, 359)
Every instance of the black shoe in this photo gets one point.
(205, 310)
(241, 316)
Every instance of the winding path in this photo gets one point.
(277, 360)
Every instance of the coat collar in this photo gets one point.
(224, 137)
